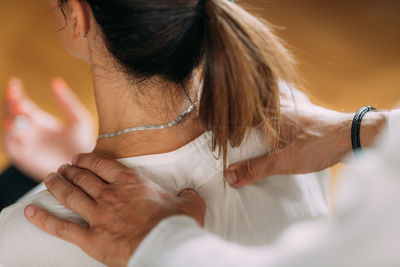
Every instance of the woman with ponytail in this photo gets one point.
(183, 88)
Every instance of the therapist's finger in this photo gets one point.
(63, 229)
(194, 205)
(86, 180)
(250, 171)
(70, 196)
(107, 169)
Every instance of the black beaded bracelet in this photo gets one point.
(356, 126)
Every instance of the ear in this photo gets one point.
(79, 18)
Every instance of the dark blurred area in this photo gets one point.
(348, 51)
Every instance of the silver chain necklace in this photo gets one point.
(179, 119)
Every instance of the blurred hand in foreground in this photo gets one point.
(312, 138)
(37, 142)
(120, 207)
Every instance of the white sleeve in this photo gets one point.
(179, 241)
(393, 123)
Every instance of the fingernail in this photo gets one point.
(49, 178)
(75, 159)
(186, 192)
(232, 178)
(11, 95)
(59, 84)
(13, 92)
(30, 211)
(63, 167)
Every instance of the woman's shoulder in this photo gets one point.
(13, 216)
(42, 199)
(22, 243)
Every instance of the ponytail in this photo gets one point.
(243, 62)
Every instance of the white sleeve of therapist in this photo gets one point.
(365, 232)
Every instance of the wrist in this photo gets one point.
(372, 125)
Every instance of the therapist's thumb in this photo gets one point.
(249, 171)
(193, 205)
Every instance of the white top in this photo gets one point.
(365, 232)
(253, 215)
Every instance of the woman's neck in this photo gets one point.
(122, 104)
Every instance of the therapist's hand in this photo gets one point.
(312, 139)
(120, 207)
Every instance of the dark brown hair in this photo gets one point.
(240, 58)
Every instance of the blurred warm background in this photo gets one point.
(348, 50)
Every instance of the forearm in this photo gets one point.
(312, 139)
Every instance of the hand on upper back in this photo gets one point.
(120, 207)
(312, 138)
(36, 141)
